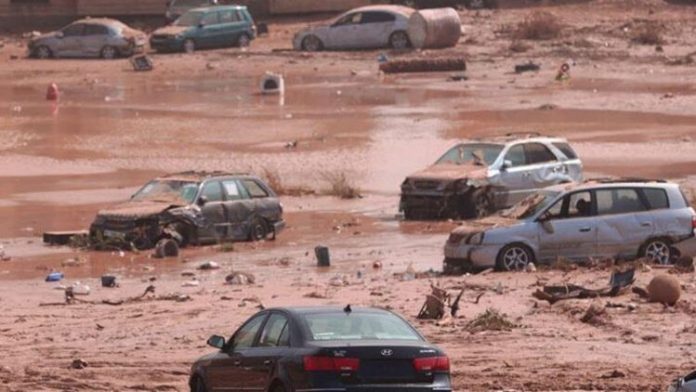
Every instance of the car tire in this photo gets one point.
(189, 46)
(243, 41)
(658, 251)
(399, 40)
(480, 204)
(514, 257)
(312, 43)
(259, 229)
(43, 52)
(109, 53)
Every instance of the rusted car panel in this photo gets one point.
(475, 178)
(621, 220)
(192, 207)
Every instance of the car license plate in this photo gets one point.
(114, 234)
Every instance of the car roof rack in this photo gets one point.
(205, 174)
(525, 134)
(610, 180)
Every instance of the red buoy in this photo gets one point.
(52, 92)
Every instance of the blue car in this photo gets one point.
(208, 27)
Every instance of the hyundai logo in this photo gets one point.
(387, 352)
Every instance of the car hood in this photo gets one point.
(137, 209)
(171, 30)
(484, 224)
(451, 172)
(51, 35)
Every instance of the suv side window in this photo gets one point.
(73, 30)
(210, 18)
(273, 331)
(212, 191)
(255, 190)
(566, 150)
(656, 198)
(538, 153)
(229, 16)
(244, 338)
(618, 201)
(232, 190)
(377, 17)
(516, 156)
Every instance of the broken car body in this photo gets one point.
(474, 178)
(621, 220)
(192, 208)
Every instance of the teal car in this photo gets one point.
(208, 27)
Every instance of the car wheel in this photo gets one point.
(399, 40)
(109, 52)
(189, 46)
(514, 257)
(312, 43)
(657, 251)
(480, 203)
(243, 41)
(259, 229)
(43, 52)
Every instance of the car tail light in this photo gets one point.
(331, 364)
(432, 364)
(693, 222)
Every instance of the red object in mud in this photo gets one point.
(52, 92)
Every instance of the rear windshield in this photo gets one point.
(566, 150)
(359, 326)
(470, 153)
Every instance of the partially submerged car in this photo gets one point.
(595, 219)
(475, 178)
(90, 37)
(205, 28)
(192, 208)
(377, 26)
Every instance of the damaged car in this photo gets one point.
(475, 178)
(684, 384)
(192, 208)
(622, 220)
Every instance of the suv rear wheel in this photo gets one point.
(658, 251)
(259, 229)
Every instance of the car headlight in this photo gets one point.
(476, 239)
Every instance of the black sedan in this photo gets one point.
(323, 349)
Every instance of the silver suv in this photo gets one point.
(475, 178)
(600, 218)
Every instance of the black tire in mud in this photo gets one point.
(167, 247)
(259, 229)
(479, 204)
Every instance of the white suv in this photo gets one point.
(600, 218)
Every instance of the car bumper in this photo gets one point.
(460, 257)
(279, 226)
(428, 205)
(169, 44)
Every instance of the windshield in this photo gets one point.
(189, 19)
(477, 153)
(359, 326)
(174, 191)
(530, 205)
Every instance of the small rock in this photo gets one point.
(615, 374)
(78, 364)
(191, 283)
(209, 265)
(377, 265)
(240, 278)
(530, 267)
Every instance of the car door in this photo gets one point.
(514, 175)
(228, 372)
(624, 223)
(343, 34)
(69, 45)
(544, 167)
(209, 33)
(264, 205)
(375, 29)
(212, 203)
(568, 229)
(240, 208)
(272, 345)
(94, 38)
(570, 163)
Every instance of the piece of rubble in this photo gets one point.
(209, 265)
(424, 65)
(78, 364)
(191, 283)
(618, 283)
(240, 278)
(166, 247)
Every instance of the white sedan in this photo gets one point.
(360, 28)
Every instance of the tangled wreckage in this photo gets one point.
(191, 208)
(473, 179)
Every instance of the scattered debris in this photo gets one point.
(683, 264)
(424, 65)
(79, 288)
(78, 364)
(322, 254)
(614, 374)
(142, 63)
(209, 265)
(377, 265)
(63, 237)
(618, 282)
(595, 315)
(341, 186)
(191, 283)
(166, 247)
(240, 278)
(272, 83)
(434, 306)
(563, 73)
(548, 106)
(490, 320)
(530, 268)
(108, 281)
(54, 277)
(457, 78)
(663, 288)
(527, 67)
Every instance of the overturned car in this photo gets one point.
(192, 208)
(475, 178)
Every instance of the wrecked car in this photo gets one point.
(684, 384)
(90, 37)
(192, 208)
(596, 219)
(475, 178)
(377, 26)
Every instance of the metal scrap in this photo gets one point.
(618, 283)
(424, 65)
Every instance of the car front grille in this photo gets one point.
(425, 184)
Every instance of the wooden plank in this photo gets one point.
(62, 237)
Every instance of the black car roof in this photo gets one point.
(302, 310)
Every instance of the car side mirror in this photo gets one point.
(202, 200)
(216, 341)
(506, 165)
(547, 225)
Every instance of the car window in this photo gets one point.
(377, 17)
(73, 30)
(618, 201)
(210, 18)
(91, 29)
(579, 205)
(516, 156)
(255, 190)
(212, 191)
(358, 326)
(538, 153)
(349, 19)
(657, 198)
(566, 150)
(468, 152)
(244, 338)
(273, 331)
(229, 16)
(232, 190)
